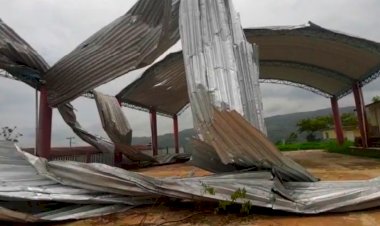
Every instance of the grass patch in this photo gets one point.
(331, 146)
(303, 146)
(346, 150)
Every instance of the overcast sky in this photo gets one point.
(55, 27)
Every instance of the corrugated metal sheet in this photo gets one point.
(118, 129)
(35, 190)
(238, 143)
(113, 120)
(18, 58)
(68, 115)
(218, 57)
(132, 41)
(29, 195)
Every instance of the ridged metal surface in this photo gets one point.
(222, 78)
(23, 186)
(218, 57)
(113, 120)
(18, 58)
(35, 190)
(68, 115)
(132, 41)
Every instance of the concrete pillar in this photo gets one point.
(175, 132)
(337, 120)
(360, 110)
(44, 125)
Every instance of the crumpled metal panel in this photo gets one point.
(68, 115)
(27, 194)
(57, 191)
(218, 57)
(222, 80)
(113, 120)
(132, 41)
(18, 58)
(118, 129)
(240, 144)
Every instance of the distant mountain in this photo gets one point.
(279, 127)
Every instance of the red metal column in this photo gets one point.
(360, 110)
(44, 127)
(118, 155)
(337, 120)
(176, 138)
(153, 126)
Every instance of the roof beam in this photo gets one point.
(308, 67)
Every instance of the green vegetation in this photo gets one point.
(312, 125)
(329, 145)
(240, 193)
(345, 149)
(376, 99)
(302, 146)
(332, 147)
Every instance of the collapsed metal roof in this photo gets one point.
(18, 58)
(57, 191)
(132, 41)
(309, 56)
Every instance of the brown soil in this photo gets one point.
(326, 166)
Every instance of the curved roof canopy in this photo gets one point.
(308, 56)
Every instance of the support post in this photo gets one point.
(118, 155)
(176, 137)
(153, 126)
(360, 110)
(44, 128)
(337, 120)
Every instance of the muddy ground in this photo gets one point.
(327, 166)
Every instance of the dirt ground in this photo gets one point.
(327, 166)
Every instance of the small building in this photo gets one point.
(373, 119)
(349, 133)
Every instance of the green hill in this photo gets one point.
(279, 127)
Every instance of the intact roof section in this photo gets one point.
(309, 56)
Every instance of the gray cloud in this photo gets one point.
(56, 27)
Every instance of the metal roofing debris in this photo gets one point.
(57, 191)
(222, 79)
(18, 58)
(130, 42)
(218, 57)
(23, 186)
(277, 65)
(113, 120)
(68, 115)
(117, 127)
(240, 144)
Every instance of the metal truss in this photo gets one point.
(5, 74)
(298, 85)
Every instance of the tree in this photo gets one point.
(292, 138)
(10, 134)
(313, 125)
(349, 119)
(376, 99)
